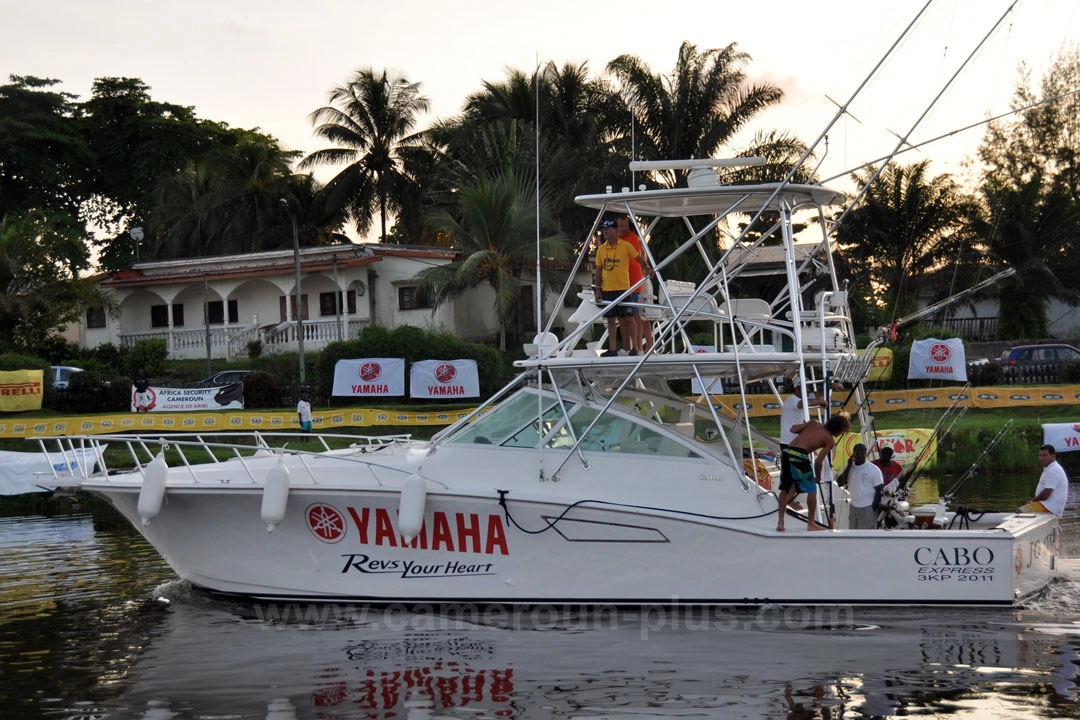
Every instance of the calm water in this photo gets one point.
(94, 625)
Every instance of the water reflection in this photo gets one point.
(82, 634)
(206, 657)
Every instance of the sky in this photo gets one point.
(269, 64)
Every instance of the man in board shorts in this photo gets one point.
(612, 278)
(801, 474)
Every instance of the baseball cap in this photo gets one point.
(607, 224)
(796, 381)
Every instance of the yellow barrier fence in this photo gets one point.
(886, 401)
(223, 421)
(330, 420)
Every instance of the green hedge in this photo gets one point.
(412, 344)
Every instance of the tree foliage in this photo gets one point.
(496, 232)
(909, 224)
(41, 258)
(370, 120)
(1030, 211)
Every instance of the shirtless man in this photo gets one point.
(800, 476)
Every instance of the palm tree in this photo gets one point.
(369, 120)
(497, 132)
(496, 232)
(908, 225)
(227, 201)
(695, 110)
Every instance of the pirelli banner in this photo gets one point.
(979, 397)
(20, 390)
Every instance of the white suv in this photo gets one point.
(62, 374)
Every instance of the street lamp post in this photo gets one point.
(137, 236)
(299, 306)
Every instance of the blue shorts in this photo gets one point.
(798, 472)
(305, 426)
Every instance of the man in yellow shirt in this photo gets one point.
(612, 279)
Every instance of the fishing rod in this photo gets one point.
(918, 315)
(912, 475)
(945, 417)
(891, 329)
(947, 498)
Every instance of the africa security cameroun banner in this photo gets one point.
(222, 397)
(934, 359)
(444, 378)
(370, 377)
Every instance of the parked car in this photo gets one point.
(225, 377)
(1030, 353)
(62, 375)
(1036, 363)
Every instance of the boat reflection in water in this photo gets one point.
(341, 661)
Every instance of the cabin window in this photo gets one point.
(95, 317)
(513, 420)
(415, 297)
(619, 435)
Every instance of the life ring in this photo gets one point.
(756, 470)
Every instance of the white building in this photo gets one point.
(251, 297)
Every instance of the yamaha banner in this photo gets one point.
(934, 359)
(370, 377)
(444, 378)
(1065, 437)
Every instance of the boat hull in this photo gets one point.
(342, 545)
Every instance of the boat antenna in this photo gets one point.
(536, 195)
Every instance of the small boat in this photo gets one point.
(592, 479)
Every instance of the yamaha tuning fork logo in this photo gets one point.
(370, 371)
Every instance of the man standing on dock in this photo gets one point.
(800, 475)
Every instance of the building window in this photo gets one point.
(159, 315)
(95, 317)
(291, 300)
(215, 311)
(328, 308)
(415, 297)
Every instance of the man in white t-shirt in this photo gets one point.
(1053, 488)
(303, 410)
(864, 482)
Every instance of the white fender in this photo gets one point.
(153, 488)
(275, 495)
(411, 510)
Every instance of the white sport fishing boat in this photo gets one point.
(589, 479)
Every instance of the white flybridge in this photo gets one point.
(588, 479)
